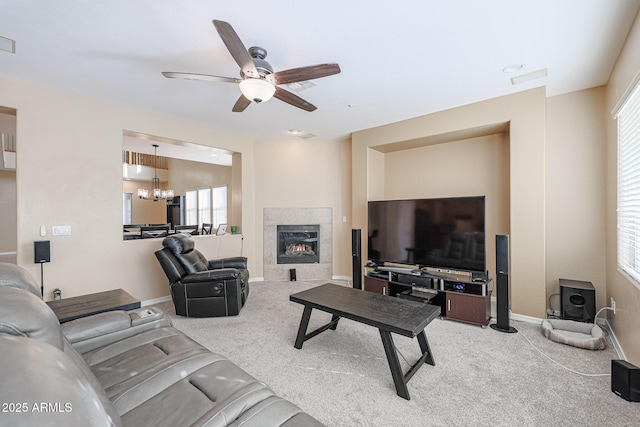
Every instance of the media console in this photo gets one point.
(460, 297)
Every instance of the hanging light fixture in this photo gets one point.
(257, 90)
(156, 193)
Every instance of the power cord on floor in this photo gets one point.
(402, 355)
(560, 364)
(540, 351)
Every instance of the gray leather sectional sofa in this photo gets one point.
(119, 369)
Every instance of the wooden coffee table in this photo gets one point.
(388, 314)
(67, 309)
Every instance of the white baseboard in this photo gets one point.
(526, 319)
(347, 278)
(614, 340)
(256, 279)
(155, 301)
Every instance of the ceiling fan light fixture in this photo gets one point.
(257, 90)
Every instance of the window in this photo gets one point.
(208, 205)
(628, 115)
(191, 207)
(219, 206)
(126, 208)
(204, 206)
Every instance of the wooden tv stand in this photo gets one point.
(459, 298)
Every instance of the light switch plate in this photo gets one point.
(61, 230)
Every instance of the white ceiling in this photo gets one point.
(399, 59)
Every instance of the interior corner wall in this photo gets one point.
(235, 207)
(525, 112)
(69, 172)
(306, 173)
(576, 192)
(473, 167)
(8, 217)
(625, 291)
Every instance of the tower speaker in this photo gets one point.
(625, 380)
(502, 285)
(577, 300)
(42, 252)
(356, 256)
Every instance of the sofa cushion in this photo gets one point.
(18, 277)
(183, 248)
(39, 375)
(24, 314)
(215, 395)
(178, 243)
(124, 364)
(193, 262)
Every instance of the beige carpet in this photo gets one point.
(482, 377)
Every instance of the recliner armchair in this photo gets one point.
(201, 287)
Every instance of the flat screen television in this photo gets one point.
(444, 233)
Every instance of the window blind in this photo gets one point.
(629, 184)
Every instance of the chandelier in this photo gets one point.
(156, 193)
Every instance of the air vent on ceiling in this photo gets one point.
(8, 45)
(305, 135)
(300, 86)
(529, 76)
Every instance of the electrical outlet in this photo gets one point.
(613, 305)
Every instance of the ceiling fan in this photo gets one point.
(258, 82)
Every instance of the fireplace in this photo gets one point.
(298, 244)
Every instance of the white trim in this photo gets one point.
(256, 279)
(8, 253)
(614, 340)
(526, 319)
(347, 278)
(155, 301)
(635, 83)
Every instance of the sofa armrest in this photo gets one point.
(88, 333)
(239, 262)
(211, 275)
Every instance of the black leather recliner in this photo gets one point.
(201, 287)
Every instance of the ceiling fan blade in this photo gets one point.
(292, 99)
(241, 104)
(236, 48)
(205, 77)
(305, 73)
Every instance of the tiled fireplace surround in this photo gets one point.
(272, 217)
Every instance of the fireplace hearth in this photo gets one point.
(298, 244)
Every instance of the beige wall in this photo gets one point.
(626, 293)
(523, 114)
(144, 211)
(188, 175)
(8, 193)
(306, 174)
(69, 172)
(576, 192)
(472, 167)
(8, 218)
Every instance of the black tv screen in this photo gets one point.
(445, 233)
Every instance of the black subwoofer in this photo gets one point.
(577, 300)
(625, 380)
